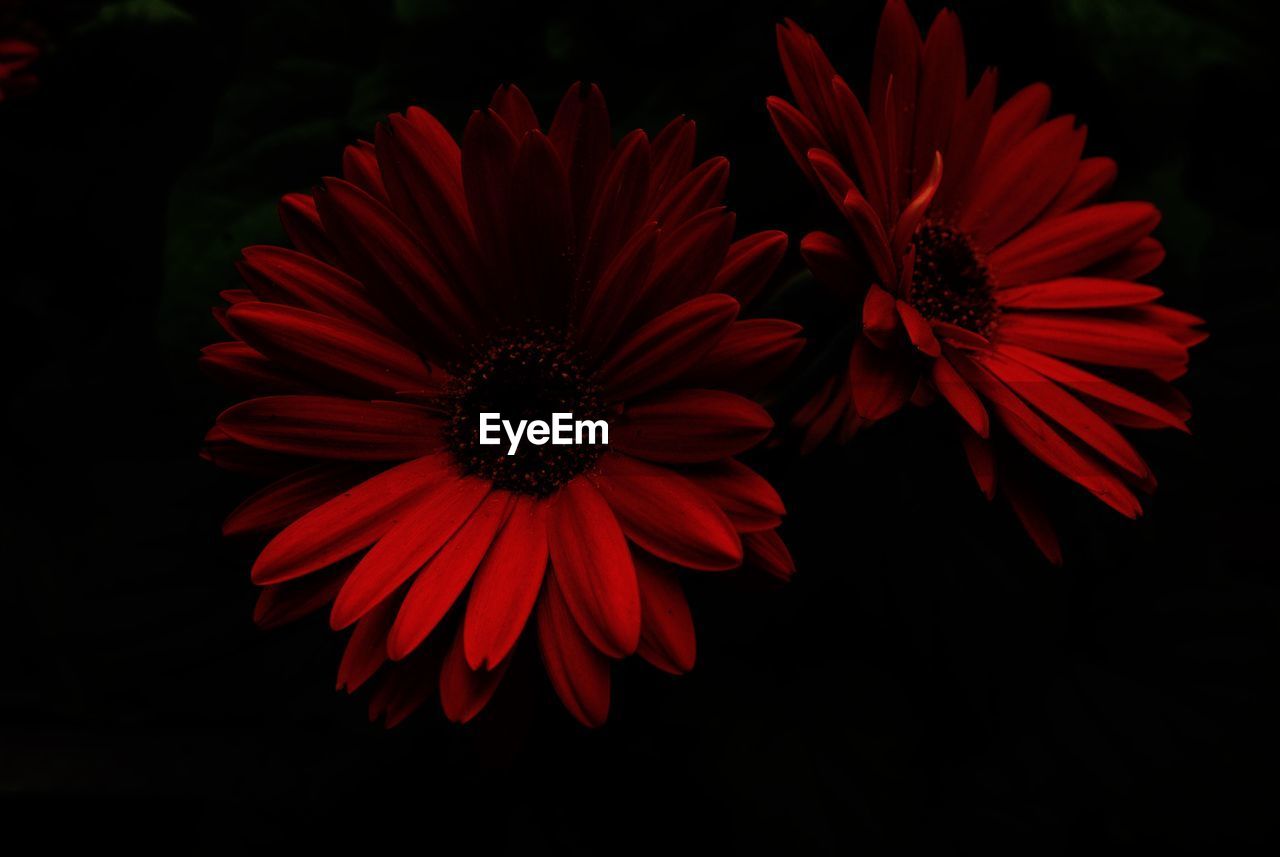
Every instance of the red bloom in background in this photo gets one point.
(981, 268)
(521, 272)
(17, 54)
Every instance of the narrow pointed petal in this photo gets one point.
(593, 568)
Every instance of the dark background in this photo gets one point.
(926, 679)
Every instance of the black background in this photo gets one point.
(926, 679)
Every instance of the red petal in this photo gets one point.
(510, 103)
(1072, 242)
(287, 277)
(403, 280)
(669, 516)
(960, 396)
(580, 132)
(424, 536)
(285, 500)
(1077, 293)
(349, 522)
(982, 462)
(667, 346)
(331, 427)
(465, 692)
(882, 381)
(767, 552)
(592, 565)
(689, 426)
(367, 648)
(667, 638)
(744, 495)
(751, 354)
(338, 354)
(749, 264)
(506, 585)
(438, 586)
(577, 670)
(1093, 339)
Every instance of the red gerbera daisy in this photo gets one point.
(981, 269)
(522, 273)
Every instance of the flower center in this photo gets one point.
(527, 376)
(950, 283)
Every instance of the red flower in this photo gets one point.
(982, 269)
(523, 273)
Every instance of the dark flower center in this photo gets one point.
(526, 376)
(950, 283)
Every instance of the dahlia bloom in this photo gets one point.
(525, 273)
(981, 270)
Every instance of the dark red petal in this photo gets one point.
(1015, 119)
(667, 346)
(422, 171)
(689, 426)
(618, 208)
(965, 143)
(750, 355)
(919, 331)
(798, 134)
(288, 277)
(672, 156)
(287, 499)
(834, 266)
(688, 258)
(360, 167)
(942, 88)
(577, 670)
(465, 692)
(1033, 518)
(489, 152)
(506, 585)
(403, 280)
(592, 565)
(341, 355)
(766, 551)
(542, 243)
(367, 648)
(1092, 386)
(510, 103)
(580, 132)
(749, 264)
(744, 495)
(351, 521)
(881, 380)
(960, 396)
(897, 58)
(1072, 242)
(1023, 183)
(302, 224)
(244, 369)
(667, 638)
(1136, 262)
(424, 535)
(1043, 442)
(1091, 178)
(880, 319)
(332, 427)
(619, 289)
(669, 516)
(470, 525)
(283, 603)
(1093, 339)
(982, 462)
(1077, 293)
(701, 189)
(1065, 410)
